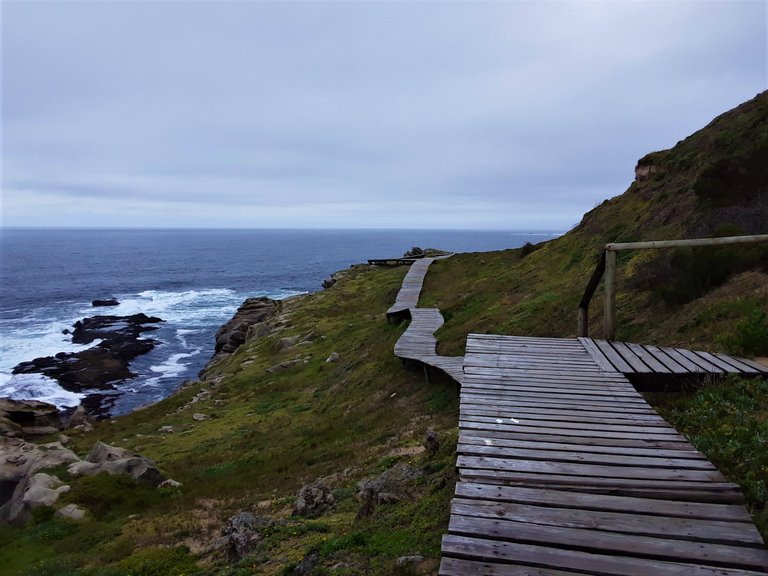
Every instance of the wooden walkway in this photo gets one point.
(565, 469)
(417, 344)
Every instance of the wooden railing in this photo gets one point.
(607, 266)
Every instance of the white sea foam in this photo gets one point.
(35, 339)
(37, 387)
(171, 368)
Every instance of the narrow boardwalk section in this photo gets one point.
(565, 469)
(417, 344)
(408, 297)
(629, 358)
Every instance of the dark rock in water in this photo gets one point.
(105, 302)
(103, 365)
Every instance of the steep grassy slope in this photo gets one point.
(713, 183)
(266, 434)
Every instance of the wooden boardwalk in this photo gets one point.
(565, 469)
(417, 344)
(408, 296)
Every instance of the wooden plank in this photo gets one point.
(737, 363)
(723, 366)
(567, 431)
(495, 451)
(589, 470)
(608, 542)
(648, 358)
(614, 357)
(585, 562)
(585, 501)
(681, 359)
(534, 435)
(715, 532)
(583, 411)
(687, 453)
(711, 492)
(756, 365)
(663, 429)
(699, 361)
(597, 355)
(504, 412)
(674, 366)
(638, 366)
(459, 567)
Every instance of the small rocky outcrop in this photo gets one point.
(333, 279)
(253, 312)
(393, 485)
(28, 418)
(242, 532)
(115, 460)
(105, 302)
(431, 443)
(32, 492)
(415, 252)
(100, 366)
(313, 500)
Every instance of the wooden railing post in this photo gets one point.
(582, 326)
(609, 323)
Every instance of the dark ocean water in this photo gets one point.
(192, 279)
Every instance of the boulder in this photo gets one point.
(253, 311)
(313, 500)
(71, 511)
(334, 357)
(30, 413)
(78, 418)
(308, 564)
(32, 492)
(20, 459)
(393, 485)
(105, 302)
(431, 443)
(43, 490)
(243, 531)
(115, 460)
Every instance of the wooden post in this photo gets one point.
(609, 327)
(582, 323)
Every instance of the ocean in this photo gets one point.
(193, 279)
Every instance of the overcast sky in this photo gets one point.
(493, 115)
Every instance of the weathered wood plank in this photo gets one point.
(597, 355)
(585, 562)
(585, 501)
(686, 452)
(496, 451)
(631, 358)
(613, 356)
(601, 541)
(648, 358)
(588, 470)
(731, 534)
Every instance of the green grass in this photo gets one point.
(728, 421)
(266, 435)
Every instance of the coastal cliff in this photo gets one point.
(306, 448)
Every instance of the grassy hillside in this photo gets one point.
(713, 183)
(268, 432)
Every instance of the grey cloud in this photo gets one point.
(345, 114)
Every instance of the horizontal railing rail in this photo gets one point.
(607, 267)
